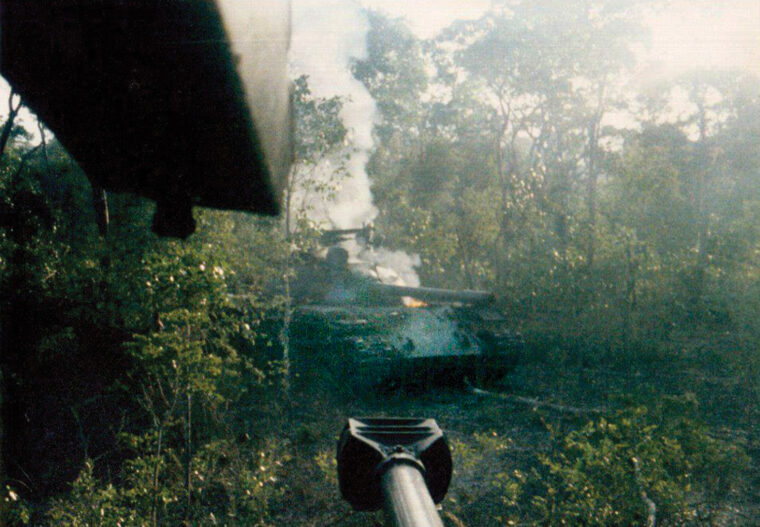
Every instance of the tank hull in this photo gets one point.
(389, 347)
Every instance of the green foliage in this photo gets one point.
(618, 253)
(394, 74)
(180, 353)
(591, 478)
(321, 153)
(608, 471)
(231, 483)
(92, 503)
(477, 461)
(328, 466)
(498, 167)
(15, 509)
(187, 379)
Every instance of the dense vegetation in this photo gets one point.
(148, 381)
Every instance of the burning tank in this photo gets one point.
(394, 333)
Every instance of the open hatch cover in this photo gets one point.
(184, 102)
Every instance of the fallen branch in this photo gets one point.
(651, 505)
(536, 403)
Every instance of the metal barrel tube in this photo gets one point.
(407, 502)
(432, 294)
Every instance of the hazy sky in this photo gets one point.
(428, 17)
(718, 34)
(707, 33)
(713, 33)
(684, 34)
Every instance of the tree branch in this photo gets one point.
(43, 142)
(651, 505)
(24, 159)
(536, 403)
(13, 110)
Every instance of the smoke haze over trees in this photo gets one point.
(615, 217)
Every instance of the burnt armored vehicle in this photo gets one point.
(390, 333)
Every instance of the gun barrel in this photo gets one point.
(435, 295)
(402, 465)
(342, 232)
(407, 501)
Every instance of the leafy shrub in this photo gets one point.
(92, 503)
(611, 471)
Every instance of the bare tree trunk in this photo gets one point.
(22, 163)
(288, 308)
(5, 135)
(13, 110)
(631, 282)
(594, 131)
(156, 471)
(700, 209)
(100, 205)
(188, 457)
(466, 262)
(289, 202)
(43, 142)
(3, 503)
(502, 267)
(650, 505)
(285, 331)
(593, 176)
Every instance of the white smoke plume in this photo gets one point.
(326, 36)
(393, 267)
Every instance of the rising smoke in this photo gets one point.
(326, 36)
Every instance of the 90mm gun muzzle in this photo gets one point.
(400, 464)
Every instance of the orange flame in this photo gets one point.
(413, 302)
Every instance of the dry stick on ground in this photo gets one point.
(531, 401)
(651, 506)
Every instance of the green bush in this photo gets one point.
(91, 503)
(610, 472)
